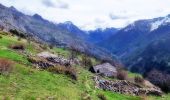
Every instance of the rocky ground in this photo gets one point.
(126, 87)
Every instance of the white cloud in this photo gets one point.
(90, 14)
(55, 4)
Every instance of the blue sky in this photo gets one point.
(91, 14)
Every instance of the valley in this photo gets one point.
(43, 60)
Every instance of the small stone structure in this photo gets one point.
(105, 69)
(126, 87)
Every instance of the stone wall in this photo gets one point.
(126, 87)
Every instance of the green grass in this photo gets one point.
(115, 96)
(26, 83)
(12, 55)
(8, 40)
(132, 75)
(61, 51)
(165, 97)
(33, 48)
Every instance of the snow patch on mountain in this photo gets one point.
(129, 27)
(155, 25)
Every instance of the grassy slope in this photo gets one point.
(27, 83)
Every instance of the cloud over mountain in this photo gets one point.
(55, 3)
(114, 13)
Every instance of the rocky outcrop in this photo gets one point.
(126, 87)
(45, 60)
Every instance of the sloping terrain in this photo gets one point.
(154, 56)
(26, 82)
(62, 35)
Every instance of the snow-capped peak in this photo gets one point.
(155, 25)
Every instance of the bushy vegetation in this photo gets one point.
(86, 61)
(17, 46)
(122, 74)
(160, 79)
(17, 33)
(102, 97)
(139, 80)
(5, 66)
(70, 71)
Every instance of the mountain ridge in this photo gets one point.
(49, 32)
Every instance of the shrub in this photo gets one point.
(101, 97)
(0, 37)
(51, 46)
(122, 74)
(17, 33)
(139, 80)
(160, 79)
(86, 61)
(44, 46)
(17, 46)
(5, 66)
(70, 71)
(1, 28)
(85, 96)
(73, 51)
(19, 38)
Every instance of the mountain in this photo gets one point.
(63, 34)
(70, 27)
(135, 44)
(92, 36)
(98, 35)
(136, 35)
(154, 56)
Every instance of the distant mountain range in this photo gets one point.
(62, 34)
(92, 36)
(100, 35)
(142, 45)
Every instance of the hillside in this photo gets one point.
(84, 50)
(27, 82)
(154, 56)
